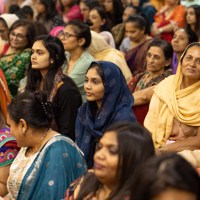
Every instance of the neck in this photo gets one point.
(187, 82)
(76, 54)
(99, 104)
(104, 191)
(157, 73)
(178, 55)
(192, 26)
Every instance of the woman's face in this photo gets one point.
(190, 16)
(156, 61)
(66, 3)
(108, 4)
(133, 32)
(3, 31)
(175, 194)
(96, 20)
(191, 64)
(40, 7)
(128, 11)
(40, 58)
(93, 86)
(85, 10)
(106, 159)
(180, 41)
(69, 39)
(18, 37)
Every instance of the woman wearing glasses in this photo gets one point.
(15, 59)
(76, 38)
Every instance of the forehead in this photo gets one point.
(181, 32)
(109, 138)
(20, 29)
(191, 10)
(193, 51)
(69, 28)
(156, 50)
(92, 73)
(39, 45)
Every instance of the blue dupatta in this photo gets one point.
(57, 165)
(116, 106)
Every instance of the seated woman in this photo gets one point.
(167, 19)
(14, 62)
(158, 60)
(47, 162)
(174, 116)
(116, 160)
(45, 74)
(76, 38)
(173, 178)
(135, 45)
(8, 151)
(181, 39)
(108, 100)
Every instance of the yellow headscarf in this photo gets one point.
(170, 101)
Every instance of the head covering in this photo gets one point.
(9, 18)
(116, 106)
(56, 30)
(8, 147)
(170, 101)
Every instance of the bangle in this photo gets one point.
(161, 149)
(160, 30)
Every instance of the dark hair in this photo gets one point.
(164, 45)
(135, 146)
(107, 25)
(13, 9)
(197, 44)
(30, 30)
(197, 16)
(57, 54)
(166, 171)
(73, 2)
(26, 10)
(33, 108)
(139, 22)
(192, 36)
(90, 3)
(82, 30)
(50, 8)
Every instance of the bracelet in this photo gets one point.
(161, 149)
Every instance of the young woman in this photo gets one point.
(47, 162)
(173, 178)
(115, 162)
(135, 45)
(158, 61)
(76, 38)
(193, 19)
(181, 39)
(108, 100)
(100, 24)
(174, 117)
(45, 74)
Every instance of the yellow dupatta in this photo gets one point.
(169, 102)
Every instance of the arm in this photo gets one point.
(143, 96)
(4, 173)
(189, 143)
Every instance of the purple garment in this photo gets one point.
(174, 63)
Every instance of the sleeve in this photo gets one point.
(67, 101)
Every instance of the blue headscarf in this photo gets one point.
(116, 106)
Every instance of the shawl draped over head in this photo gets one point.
(170, 101)
(116, 106)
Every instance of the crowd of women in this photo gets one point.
(99, 100)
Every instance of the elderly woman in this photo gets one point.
(174, 116)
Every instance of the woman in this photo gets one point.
(69, 9)
(76, 38)
(100, 24)
(174, 117)
(14, 61)
(108, 100)
(47, 162)
(171, 16)
(135, 45)
(181, 39)
(45, 74)
(173, 178)
(101, 51)
(116, 160)
(158, 60)
(193, 19)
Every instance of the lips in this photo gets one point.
(33, 63)
(98, 166)
(88, 94)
